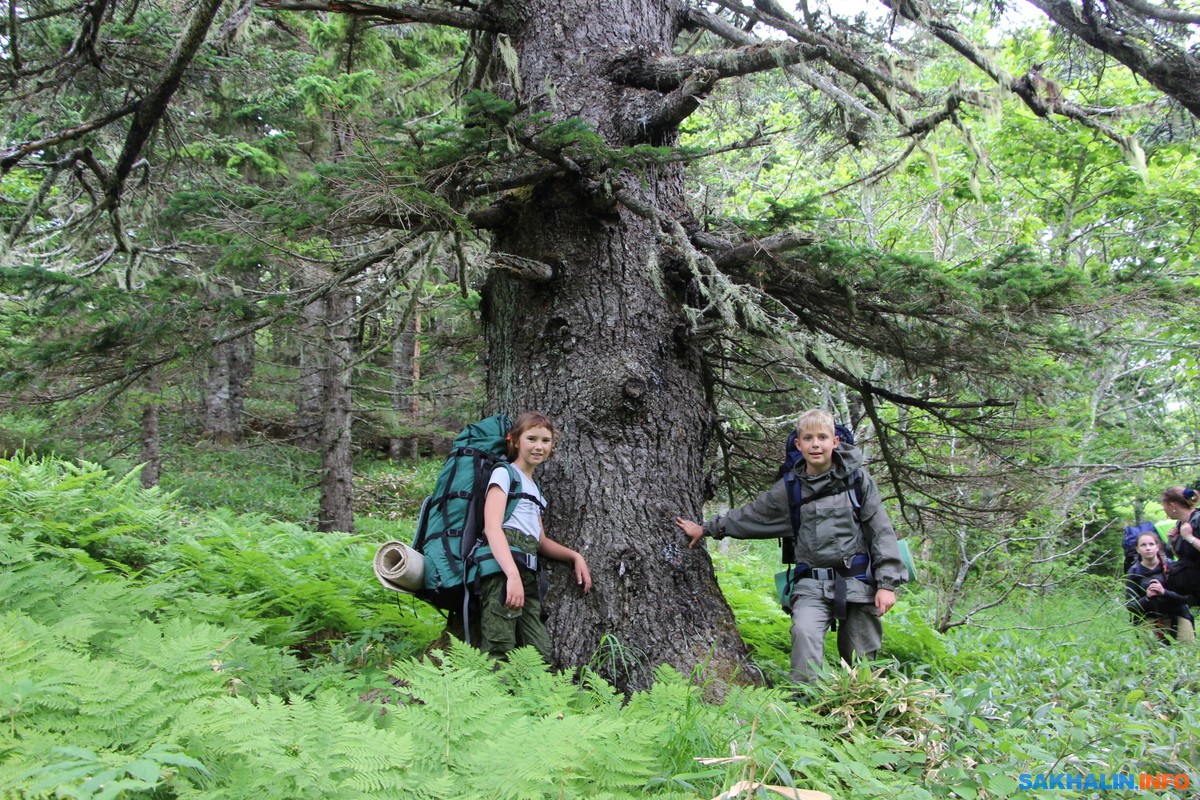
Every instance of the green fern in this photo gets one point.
(294, 587)
(538, 690)
(122, 698)
(490, 738)
(296, 583)
(324, 748)
(85, 775)
(57, 504)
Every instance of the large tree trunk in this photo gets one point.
(603, 349)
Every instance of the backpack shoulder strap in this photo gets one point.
(796, 498)
(856, 494)
(516, 482)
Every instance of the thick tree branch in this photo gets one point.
(514, 182)
(152, 107)
(13, 155)
(641, 70)
(746, 252)
(678, 105)
(716, 25)
(466, 20)
(85, 42)
(235, 20)
(881, 83)
(1152, 11)
(14, 40)
(1167, 67)
(493, 217)
(526, 268)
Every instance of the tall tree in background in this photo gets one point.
(406, 381)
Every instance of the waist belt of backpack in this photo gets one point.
(527, 560)
(838, 575)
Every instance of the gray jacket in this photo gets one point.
(828, 534)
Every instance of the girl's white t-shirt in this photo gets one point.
(526, 516)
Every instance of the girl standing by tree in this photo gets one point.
(511, 604)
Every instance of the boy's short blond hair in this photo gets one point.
(816, 419)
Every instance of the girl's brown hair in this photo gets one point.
(1181, 495)
(527, 420)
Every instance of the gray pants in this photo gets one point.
(859, 635)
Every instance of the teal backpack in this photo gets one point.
(450, 525)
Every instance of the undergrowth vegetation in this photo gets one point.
(151, 650)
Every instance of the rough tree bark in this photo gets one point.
(406, 375)
(150, 456)
(336, 511)
(602, 347)
(309, 335)
(230, 365)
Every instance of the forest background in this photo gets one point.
(262, 261)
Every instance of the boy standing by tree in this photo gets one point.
(847, 560)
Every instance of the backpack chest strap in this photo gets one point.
(531, 498)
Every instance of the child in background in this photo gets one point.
(1146, 594)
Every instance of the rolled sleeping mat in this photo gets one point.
(400, 568)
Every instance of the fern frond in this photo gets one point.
(296, 749)
(448, 707)
(87, 775)
(38, 588)
(32, 696)
(565, 757)
(534, 686)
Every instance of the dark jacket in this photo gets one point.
(828, 534)
(1169, 604)
(1183, 577)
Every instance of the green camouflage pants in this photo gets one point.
(504, 629)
